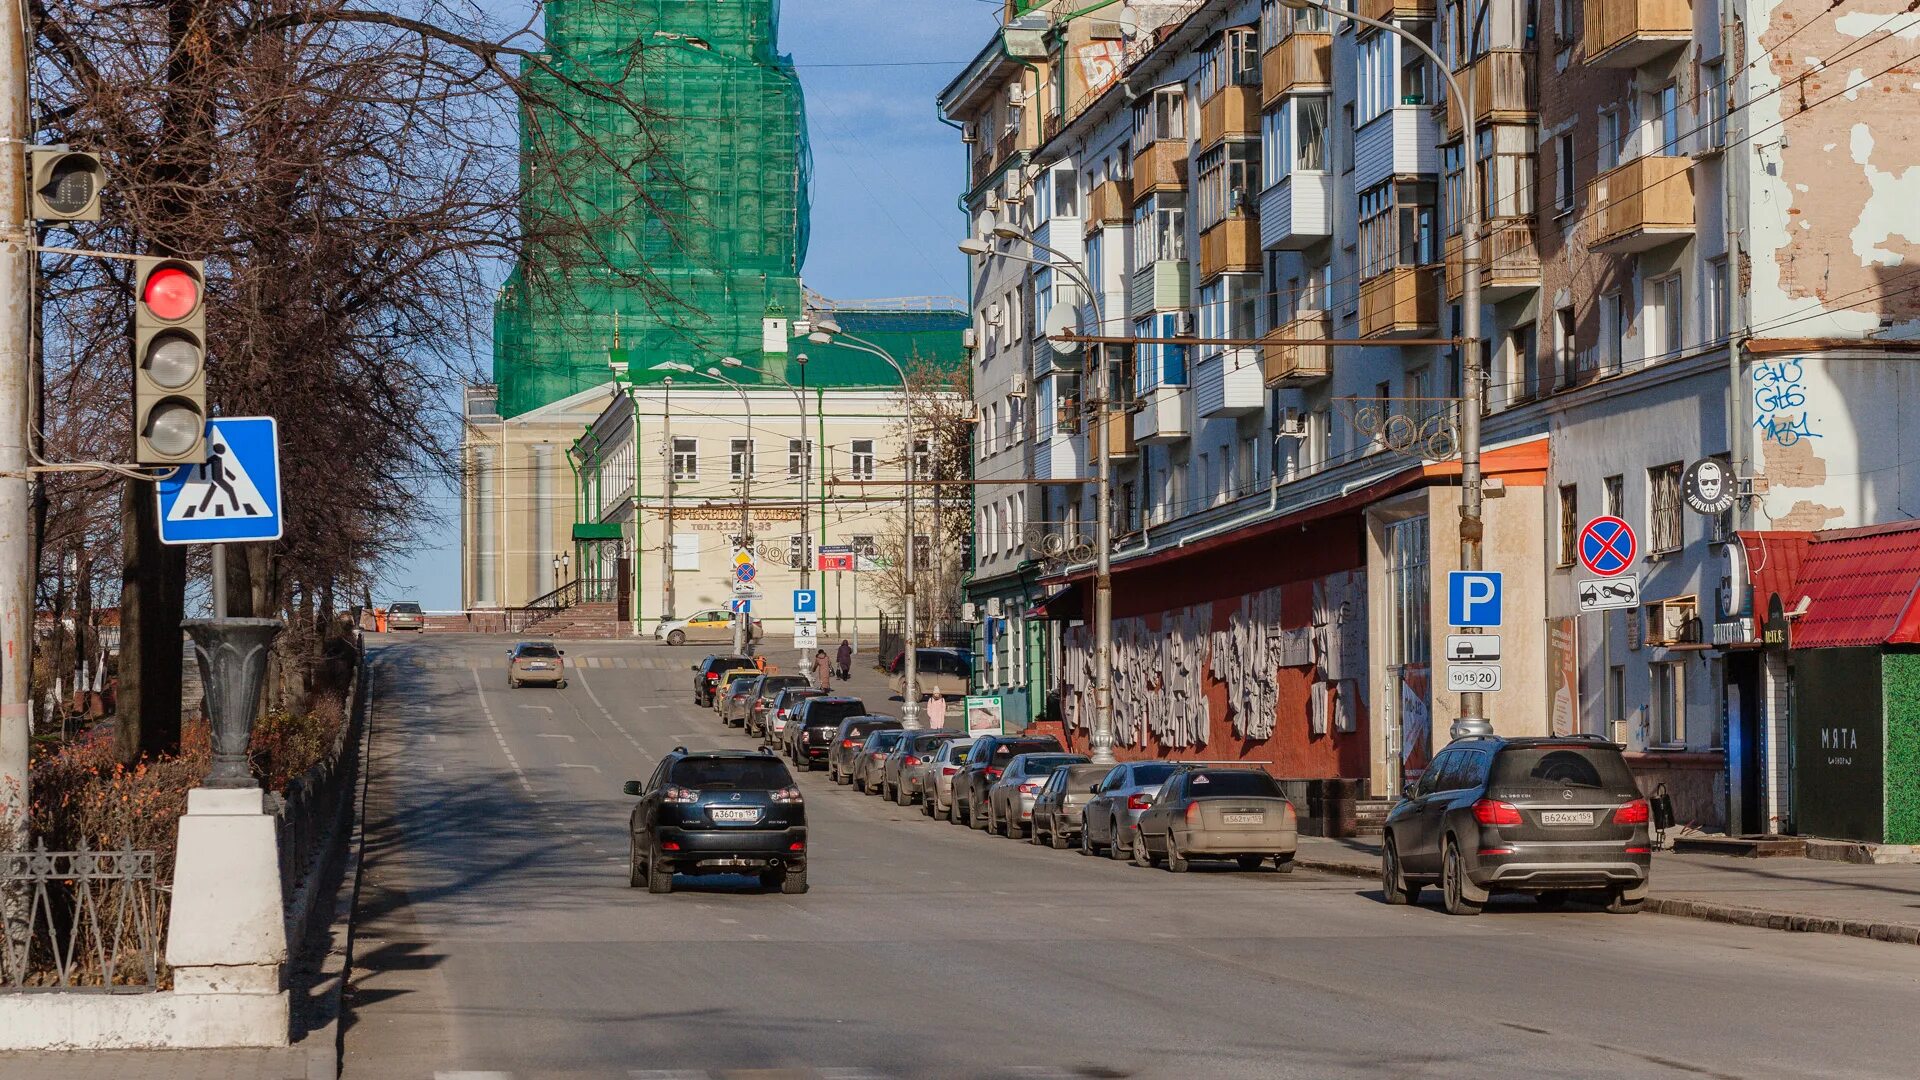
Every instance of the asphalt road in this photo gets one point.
(497, 937)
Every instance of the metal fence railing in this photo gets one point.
(79, 920)
(893, 638)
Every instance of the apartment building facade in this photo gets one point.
(1288, 511)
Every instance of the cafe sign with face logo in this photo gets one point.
(1708, 487)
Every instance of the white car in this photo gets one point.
(712, 626)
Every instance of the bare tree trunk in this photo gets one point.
(152, 602)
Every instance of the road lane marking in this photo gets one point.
(553, 735)
(537, 708)
(486, 710)
(567, 765)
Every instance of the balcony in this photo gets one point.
(1503, 88)
(1628, 33)
(1233, 244)
(1235, 110)
(1229, 383)
(1300, 61)
(1120, 441)
(1509, 261)
(1297, 212)
(1298, 365)
(1397, 9)
(1058, 458)
(1159, 286)
(1403, 141)
(1107, 204)
(1163, 415)
(1641, 205)
(1159, 166)
(1402, 301)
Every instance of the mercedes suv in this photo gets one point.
(1553, 817)
(717, 812)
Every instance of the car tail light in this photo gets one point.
(993, 773)
(1639, 851)
(1029, 788)
(949, 770)
(1496, 851)
(1494, 812)
(910, 761)
(674, 794)
(1139, 800)
(787, 795)
(1193, 812)
(1633, 813)
(846, 744)
(797, 845)
(669, 845)
(879, 755)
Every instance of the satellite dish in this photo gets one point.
(1061, 320)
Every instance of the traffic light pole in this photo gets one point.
(16, 326)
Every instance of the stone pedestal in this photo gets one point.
(225, 934)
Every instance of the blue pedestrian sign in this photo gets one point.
(235, 495)
(1473, 598)
(806, 601)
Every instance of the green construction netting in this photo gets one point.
(710, 202)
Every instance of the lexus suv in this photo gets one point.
(718, 812)
(1553, 817)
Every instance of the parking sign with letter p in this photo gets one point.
(1473, 598)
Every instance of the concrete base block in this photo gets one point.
(161, 1021)
(226, 935)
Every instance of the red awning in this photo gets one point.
(1063, 604)
(1861, 587)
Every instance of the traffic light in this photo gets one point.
(66, 185)
(169, 361)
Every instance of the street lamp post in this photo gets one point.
(741, 620)
(1100, 736)
(1472, 527)
(826, 332)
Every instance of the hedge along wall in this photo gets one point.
(1900, 685)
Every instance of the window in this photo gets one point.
(1278, 157)
(1410, 635)
(1346, 144)
(1564, 189)
(1160, 229)
(686, 551)
(1226, 181)
(686, 459)
(1396, 227)
(1066, 192)
(1564, 353)
(1713, 91)
(1378, 74)
(1715, 308)
(1669, 703)
(1569, 523)
(1720, 525)
(1664, 315)
(1523, 365)
(862, 450)
(1665, 528)
(1664, 103)
(1310, 132)
(922, 458)
(1613, 329)
(1243, 56)
(1615, 705)
(1157, 365)
(1566, 20)
(1611, 133)
(1160, 117)
(1613, 496)
(740, 459)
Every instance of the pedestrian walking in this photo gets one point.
(845, 656)
(937, 710)
(822, 670)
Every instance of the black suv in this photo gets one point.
(850, 741)
(1547, 816)
(706, 675)
(718, 812)
(986, 760)
(811, 731)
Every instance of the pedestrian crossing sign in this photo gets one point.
(232, 497)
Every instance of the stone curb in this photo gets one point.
(1708, 911)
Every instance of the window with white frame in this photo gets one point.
(740, 459)
(1243, 56)
(922, 458)
(1275, 148)
(686, 459)
(1612, 135)
(1716, 300)
(1565, 188)
(1160, 117)
(1378, 67)
(1158, 364)
(1160, 229)
(1666, 529)
(1613, 329)
(799, 457)
(1410, 636)
(1506, 171)
(1713, 104)
(1396, 227)
(1668, 703)
(1226, 181)
(863, 459)
(1663, 121)
(1664, 315)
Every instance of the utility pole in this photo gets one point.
(16, 331)
(666, 541)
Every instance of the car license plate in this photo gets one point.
(736, 813)
(1566, 817)
(1244, 819)
(536, 667)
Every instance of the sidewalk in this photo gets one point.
(1805, 895)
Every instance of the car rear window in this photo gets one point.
(406, 608)
(1155, 773)
(1233, 784)
(864, 727)
(731, 774)
(1040, 766)
(1536, 768)
(958, 755)
(923, 743)
(543, 651)
(727, 663)
(1006, 750)
(885, 740)
(830, 713)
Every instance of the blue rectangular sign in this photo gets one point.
(806, 601)
(235, 495)
(1473, 598)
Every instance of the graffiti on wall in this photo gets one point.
(1780, 409)
(1245, 656)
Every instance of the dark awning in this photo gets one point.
(1062, 604)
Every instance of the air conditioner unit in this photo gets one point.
(1293, 423)
(1017, 94)
(969, 134)
(969, 339)
(969, 612)
(993, 607)
(994, 313)
(970, 412)
(1183, 324)
(1021, 386)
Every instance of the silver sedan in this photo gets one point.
(1115, 809)
(905, 769)
(936, 785)
(1010, 798)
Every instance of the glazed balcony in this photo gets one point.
(1641, 205)
(1120, 441)
(1235, 110)
(1163, 415)
(1397, 9)
(1298, 365)
(1402, 301)
(1301, 61)
(1159, 166)
(1231, 245)
(1107, 204)
(1509, 260)
(1628, 33)
(1503, 88)
(1164, 285)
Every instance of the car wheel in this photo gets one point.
(1117, 845)
(636, 870)
(1283, 863)
(1618, 903)
(1056, 839)
(1033, 833)
(1394, 887)
(1455, 889)
(795, 881)
(1551, 900)
(1086, 842)
(1142, 855)
(1250, 862)
(926, 807)
(659, 876)
(677, 637)
(562, 684)
(513, 683)
(1176, 862)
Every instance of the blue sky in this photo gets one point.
(887, 174)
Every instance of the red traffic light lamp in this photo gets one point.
(169, 362)
(171, 293)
